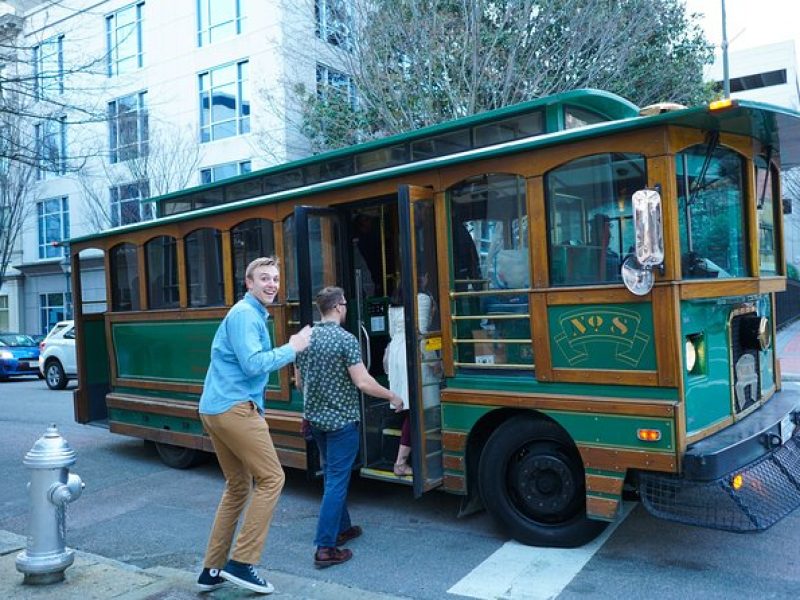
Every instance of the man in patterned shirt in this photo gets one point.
(330, 374)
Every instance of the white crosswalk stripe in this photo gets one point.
(521, 572)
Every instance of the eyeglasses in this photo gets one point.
(342, 304)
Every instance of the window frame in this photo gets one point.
(113, 44)
(144, 209)
(43, 134)
(334, 22)
(116, 126)
(205, 32)
(242, 168)
(47, 247)
(241, 119)
(41, 71)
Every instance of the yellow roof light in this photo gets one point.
(722, 104)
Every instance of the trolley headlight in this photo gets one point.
(691, 355)
(694, 349)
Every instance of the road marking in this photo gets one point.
(527, 573)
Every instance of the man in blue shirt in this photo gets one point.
(232, 412)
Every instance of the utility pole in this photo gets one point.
(726, 80)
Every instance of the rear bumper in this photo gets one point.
(13, 368)
(763, 448)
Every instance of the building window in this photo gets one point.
(224, 102)
(334, 22)
(124, 39)
(757, 81)
(48, 68)
(52, 309)
(127, 206)
(128, 127)
(218, 20)
(5, 314)
(53, 222)
(332, 83)
(224, 171)
(51, 147)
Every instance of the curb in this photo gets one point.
(93, 577)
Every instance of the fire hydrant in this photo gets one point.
(51, 488)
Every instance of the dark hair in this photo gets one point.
(328, 298)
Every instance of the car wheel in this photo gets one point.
(532, 483)
(54, 375)
(178, 457)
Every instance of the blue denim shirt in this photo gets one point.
(242, 358)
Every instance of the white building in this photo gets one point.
(198, 87)
(769, 74)
(764, 74)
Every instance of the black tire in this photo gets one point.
(179, 457)
(39, 375)
(54, 375)
(532, 482)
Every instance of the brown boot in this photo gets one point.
(326, 557)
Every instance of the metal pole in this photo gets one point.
(726, 80)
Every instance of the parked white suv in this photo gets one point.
(57, 362)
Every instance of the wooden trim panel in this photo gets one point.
(456, 484)
(602, 508)
(452, 462)
(586, 404)
(604, 484)
(609, 459)
(649, 378)
(159, 385)
(454, 441)
(170, 408)
(163, 436)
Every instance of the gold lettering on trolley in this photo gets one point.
(620, 325)
(578, 326)
(608, 328)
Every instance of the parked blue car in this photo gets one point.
(19, 355)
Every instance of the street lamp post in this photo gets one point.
(726, 80)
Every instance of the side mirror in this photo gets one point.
(637, 270)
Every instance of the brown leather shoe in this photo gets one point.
(348, 534)
(327, 557)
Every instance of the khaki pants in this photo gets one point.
(247, 456)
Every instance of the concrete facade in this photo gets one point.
(274, 48)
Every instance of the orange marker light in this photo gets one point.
(737, 482)
(648, 435)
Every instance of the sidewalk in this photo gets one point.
(93, 577)
(787, 343)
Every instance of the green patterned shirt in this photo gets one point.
(331, 399)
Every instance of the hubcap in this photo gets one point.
(52, 375)
(545, 484)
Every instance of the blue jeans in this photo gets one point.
(338, 450)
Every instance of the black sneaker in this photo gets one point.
(246, 576)
(209, 580)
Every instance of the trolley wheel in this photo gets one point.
(179, 457)
(532, 482)
(54, 375)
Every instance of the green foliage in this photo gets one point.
(421, 62)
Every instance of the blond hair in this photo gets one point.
(264, 261)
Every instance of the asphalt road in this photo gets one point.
(137, 510)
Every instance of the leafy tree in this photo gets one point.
(421, 62)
